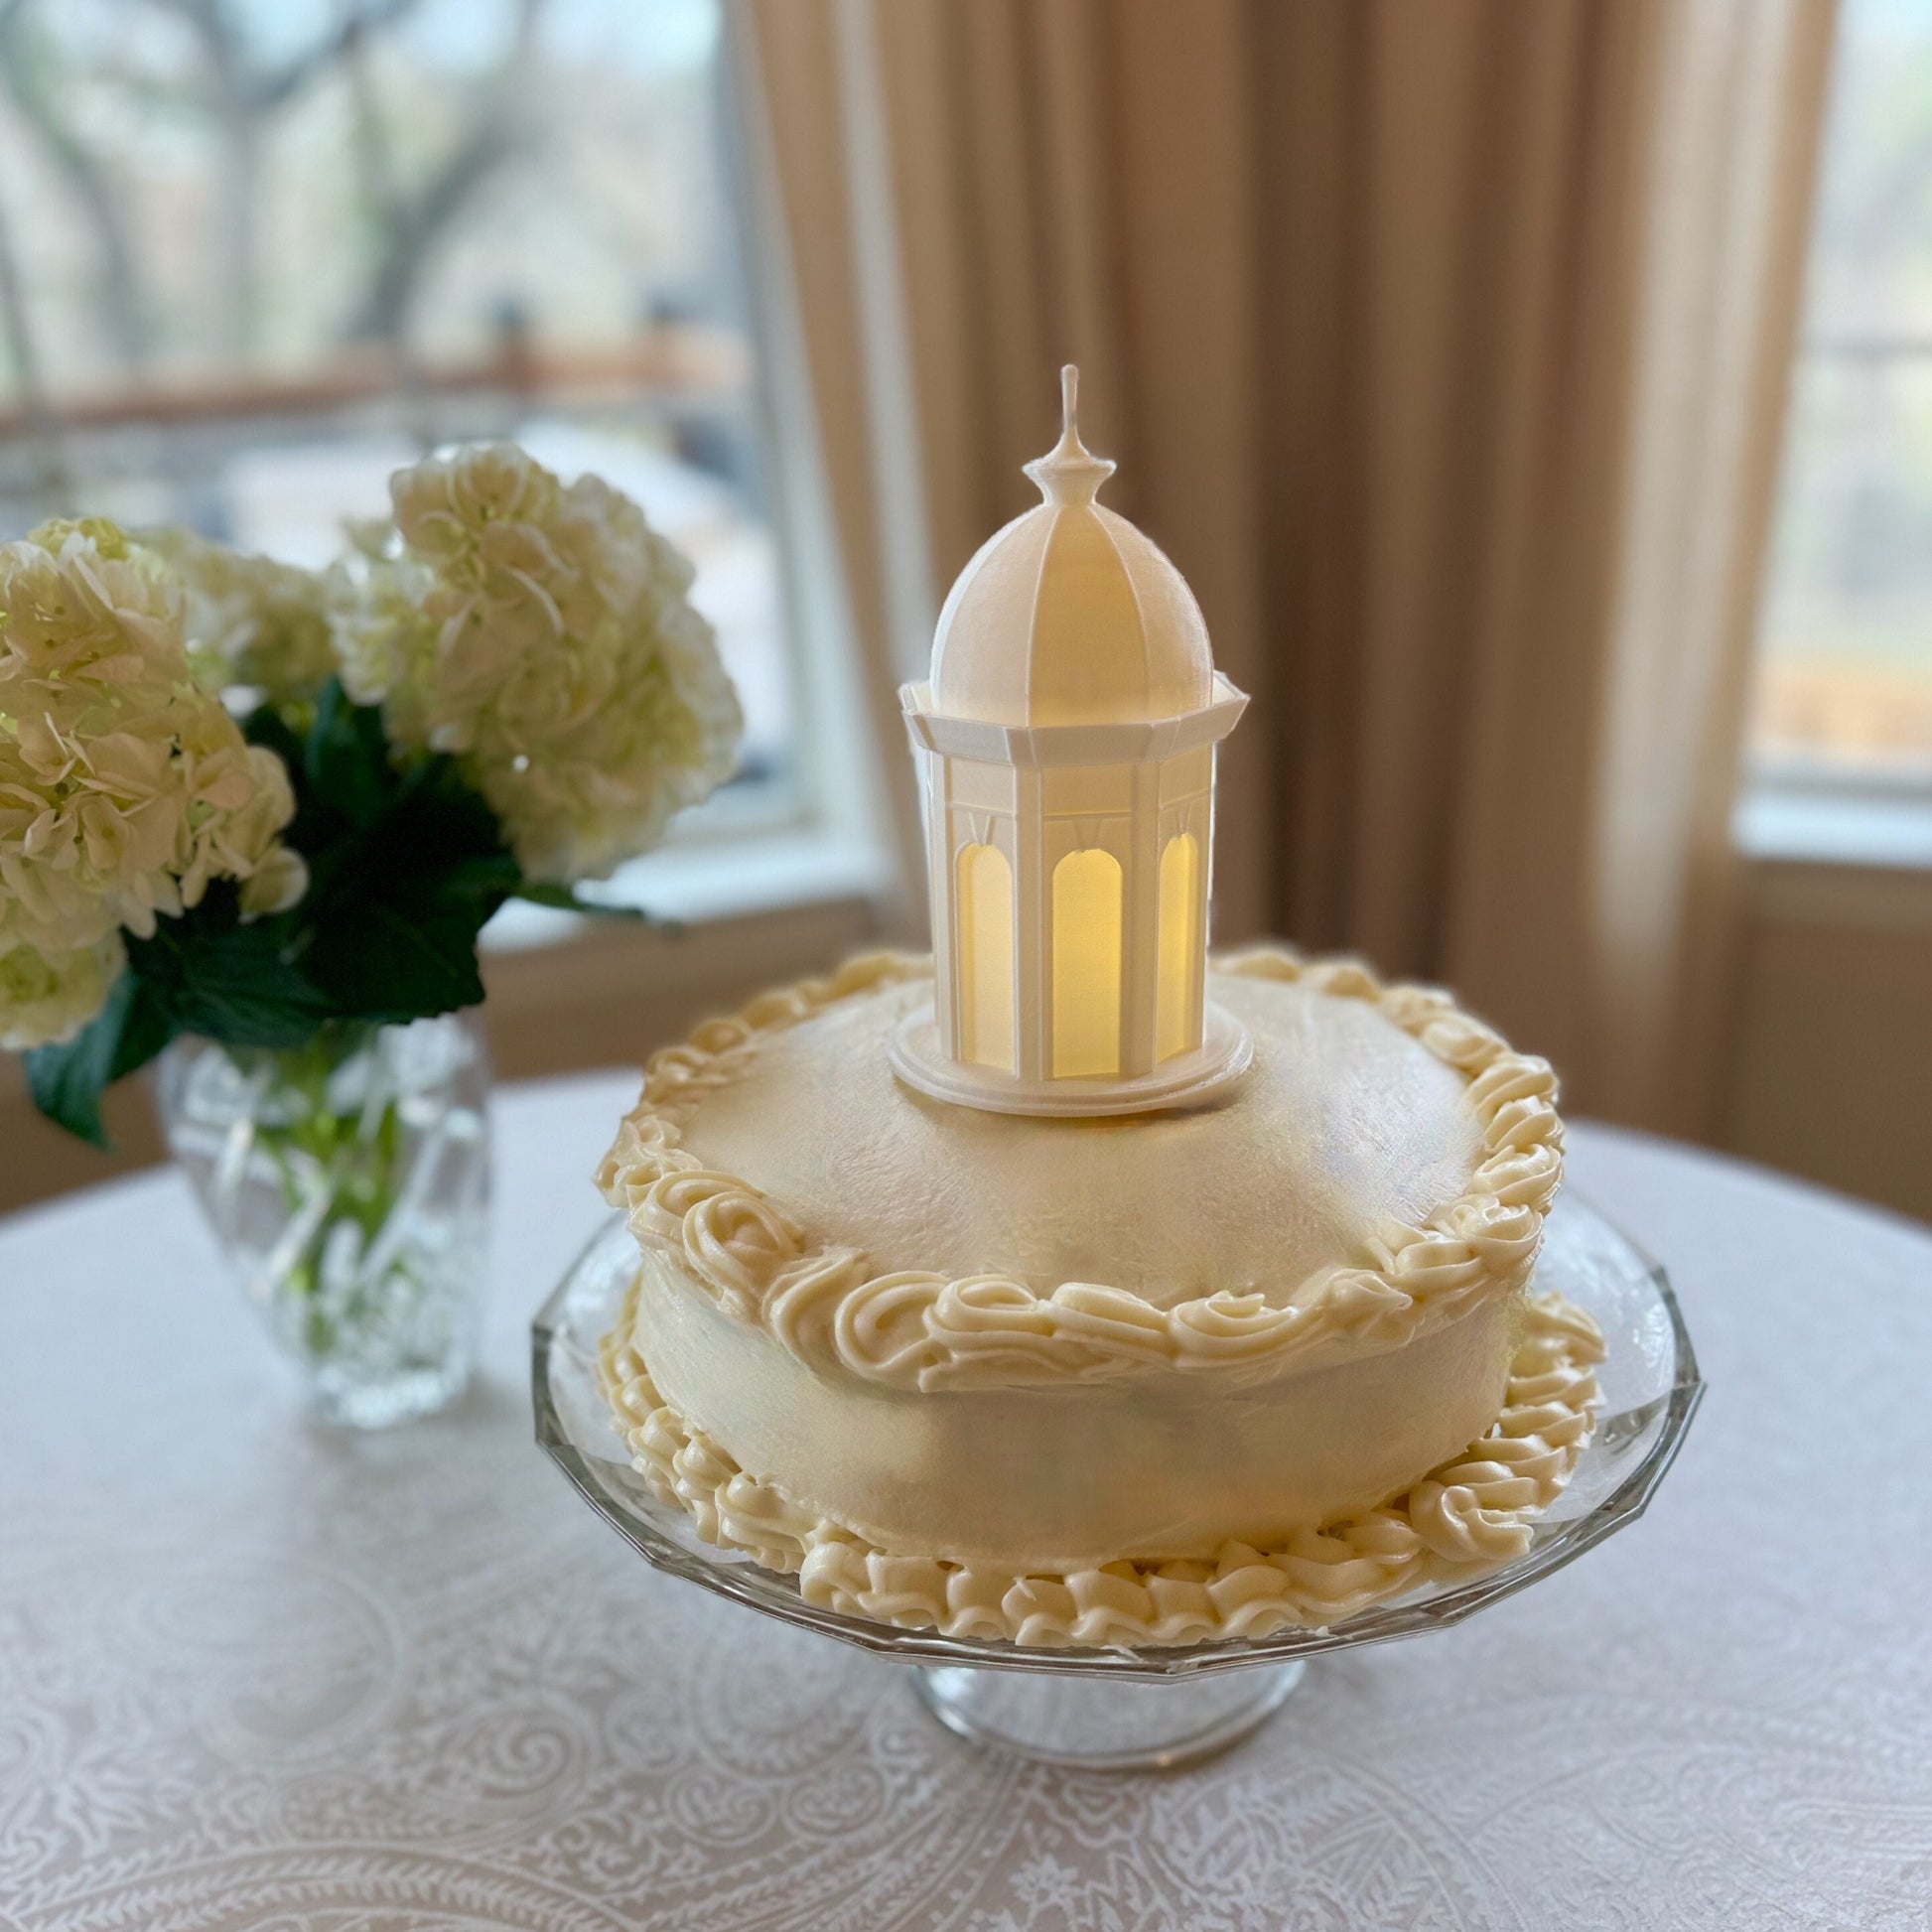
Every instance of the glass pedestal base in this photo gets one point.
(1104, 1724)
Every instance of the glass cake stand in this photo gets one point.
(1129, 1708)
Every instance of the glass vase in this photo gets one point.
(349, 1181)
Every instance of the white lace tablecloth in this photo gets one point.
(253, 1674)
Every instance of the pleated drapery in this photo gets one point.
(1442, 347)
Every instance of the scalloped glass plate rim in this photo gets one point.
(1647, 1433)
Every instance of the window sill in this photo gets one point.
(1805, 826)
(740, 916)
(702, 881)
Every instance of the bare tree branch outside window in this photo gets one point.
(254, 254)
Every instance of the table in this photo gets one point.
(255, 1674)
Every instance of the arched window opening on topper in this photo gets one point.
(986, 956)
(1065, 745)
(1086, 964)
(1177, 996)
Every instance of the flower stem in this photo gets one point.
(350, 1147)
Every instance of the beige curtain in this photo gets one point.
(1441, 347)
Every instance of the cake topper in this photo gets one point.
(1066, 749)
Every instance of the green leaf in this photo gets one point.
(148, 1027)
(266, 727)
(397, 958)
(346, 758)
(244, 991)
(406, 865)
(393, 936)
(240, 984)
(66, 1081)
(495, 877)
(564, 899)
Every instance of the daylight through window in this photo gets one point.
(255, 256)
(1845, 672)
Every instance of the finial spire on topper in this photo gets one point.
(1069, 472)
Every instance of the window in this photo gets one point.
(253, 256)
(1844, 692)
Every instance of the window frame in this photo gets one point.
(816, 836)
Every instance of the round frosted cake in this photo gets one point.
(1062, 1288)
(1196, 1373)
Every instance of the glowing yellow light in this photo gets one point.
(1177, 999)
(986, 956)
(1086, 964)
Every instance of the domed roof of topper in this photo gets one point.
(1069, 616)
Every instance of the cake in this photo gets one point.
(1069, 1287)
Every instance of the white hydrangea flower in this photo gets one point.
(385, 646)
(125, 786)
(249, 620)
(45, 999)
(542, 636)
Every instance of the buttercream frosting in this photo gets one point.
(1043, 1475)
(1473, 1512)
(1480, 1160)
(1203, 1372)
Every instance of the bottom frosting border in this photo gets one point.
(1470, 1514)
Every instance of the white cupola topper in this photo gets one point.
(1066, 747)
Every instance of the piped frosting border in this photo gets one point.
(1470, 1515)
(914, 1328)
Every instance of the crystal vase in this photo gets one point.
(349, 1181)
